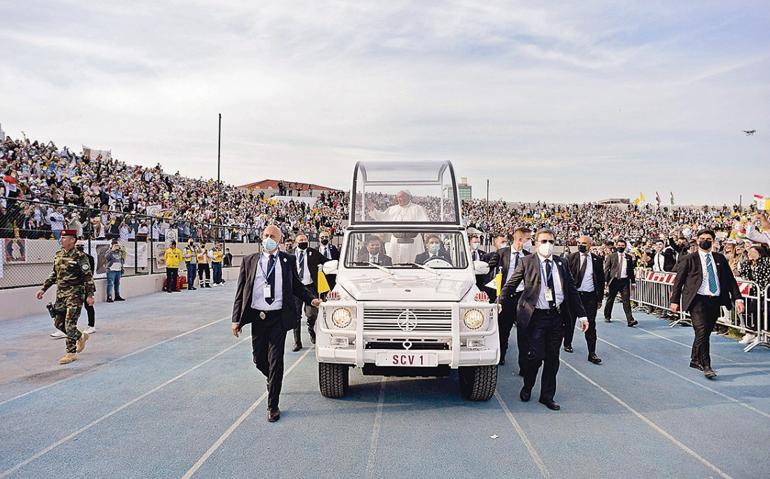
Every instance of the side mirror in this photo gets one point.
(479, 267)
(330, 267)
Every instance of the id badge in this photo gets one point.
(267, 291)
(548, 294)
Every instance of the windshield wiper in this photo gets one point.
(380, 268)
(426, 268)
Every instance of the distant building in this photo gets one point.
(465, 190)
(626, 202)
(293, 188)
(2, 133)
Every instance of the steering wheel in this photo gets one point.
(437, 262)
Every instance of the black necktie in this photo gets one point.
(302, 263)
(549, 283)
(271, 278)
(582, 272)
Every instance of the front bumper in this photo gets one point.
(456, 346)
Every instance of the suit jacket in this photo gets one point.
(314, 259)
(385, 260)
(528, 271)
(423, 257)
(689, 278)
(292, 286)
(333, 249)
(612, 267)
(504, 265)
(598, 266)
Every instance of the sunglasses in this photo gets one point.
(547, 241)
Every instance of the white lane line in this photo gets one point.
(702, 386)
(218, 443)
(520, 431)
(689, 346)
(373, 442)
(650, 423)
(112, 361)
(88, 426)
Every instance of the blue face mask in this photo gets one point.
(269, 244)
(434, 248)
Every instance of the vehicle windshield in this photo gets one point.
(404, 192)
(406, 249)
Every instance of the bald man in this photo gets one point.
(588, 271)
(267, 285)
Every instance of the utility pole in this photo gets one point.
(219, 165)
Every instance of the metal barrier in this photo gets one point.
(653, 289)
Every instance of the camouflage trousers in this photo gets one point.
(68, 304)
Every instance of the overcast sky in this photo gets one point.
(579, 101)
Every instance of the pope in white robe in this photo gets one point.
(402, 247)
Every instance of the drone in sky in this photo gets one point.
(749, 132)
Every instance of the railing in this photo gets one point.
(653, 289)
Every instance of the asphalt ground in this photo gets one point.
(164, 390)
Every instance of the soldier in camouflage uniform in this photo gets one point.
(74, 283)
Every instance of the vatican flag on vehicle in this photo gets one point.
(496, 283)
(323, 285)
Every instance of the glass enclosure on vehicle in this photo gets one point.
(406, 249)
(404, 192)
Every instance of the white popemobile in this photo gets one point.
(405, 301)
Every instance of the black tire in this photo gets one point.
(333, 380)
(478, 383)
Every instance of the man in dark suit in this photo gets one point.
(545, 308)
(308, 260)
(330, 252)
(373, 252)
(588, 271)
(267, 285)
(664, 258)
(477, 254)
(619, 271)
(704, 283)
(435, 251)
(508, 259)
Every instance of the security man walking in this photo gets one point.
(74, 281)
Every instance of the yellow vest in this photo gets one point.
(173, 257)
(218, 256)
(189, 255)
(203, 256)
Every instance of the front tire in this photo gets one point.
(333, 380)
(478, 383)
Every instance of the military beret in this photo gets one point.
(73, 233)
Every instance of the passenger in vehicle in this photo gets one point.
(374, 253)
(403, 247)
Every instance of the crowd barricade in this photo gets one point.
(653, 289)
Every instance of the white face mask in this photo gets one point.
(527, 246)
(545, 249)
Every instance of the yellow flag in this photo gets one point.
(641, 197)
(323, 285)
(499, 283)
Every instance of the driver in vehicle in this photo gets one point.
(373, 253)
(434, 251)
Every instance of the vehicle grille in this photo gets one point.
(428, 319)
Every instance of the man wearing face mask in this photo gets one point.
(619, 270)
(373, 253)
(308, 261)
(545, 307)
(508, 260)
(330, 252)
(588, 271)
(435, 251)
(703, 284)
(477, 254)
(267, 285)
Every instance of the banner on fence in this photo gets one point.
(668, 278)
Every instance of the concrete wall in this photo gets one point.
(21, 302)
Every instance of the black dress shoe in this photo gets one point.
(594, 359)
(109, 300)
(709, 373)
(632, 323)
(568, 349)
(525, 394)
(502, 362)
(695, 365)
(550, 405)
(297, 347)
(521, 373)
(607, 320)
(273, 415)
(119, 299)
(312, 338)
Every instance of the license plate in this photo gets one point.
(406, 360)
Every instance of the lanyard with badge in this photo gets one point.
(267, 290)
(548, 279)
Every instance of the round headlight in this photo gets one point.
(473, 319)
(341, 317)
